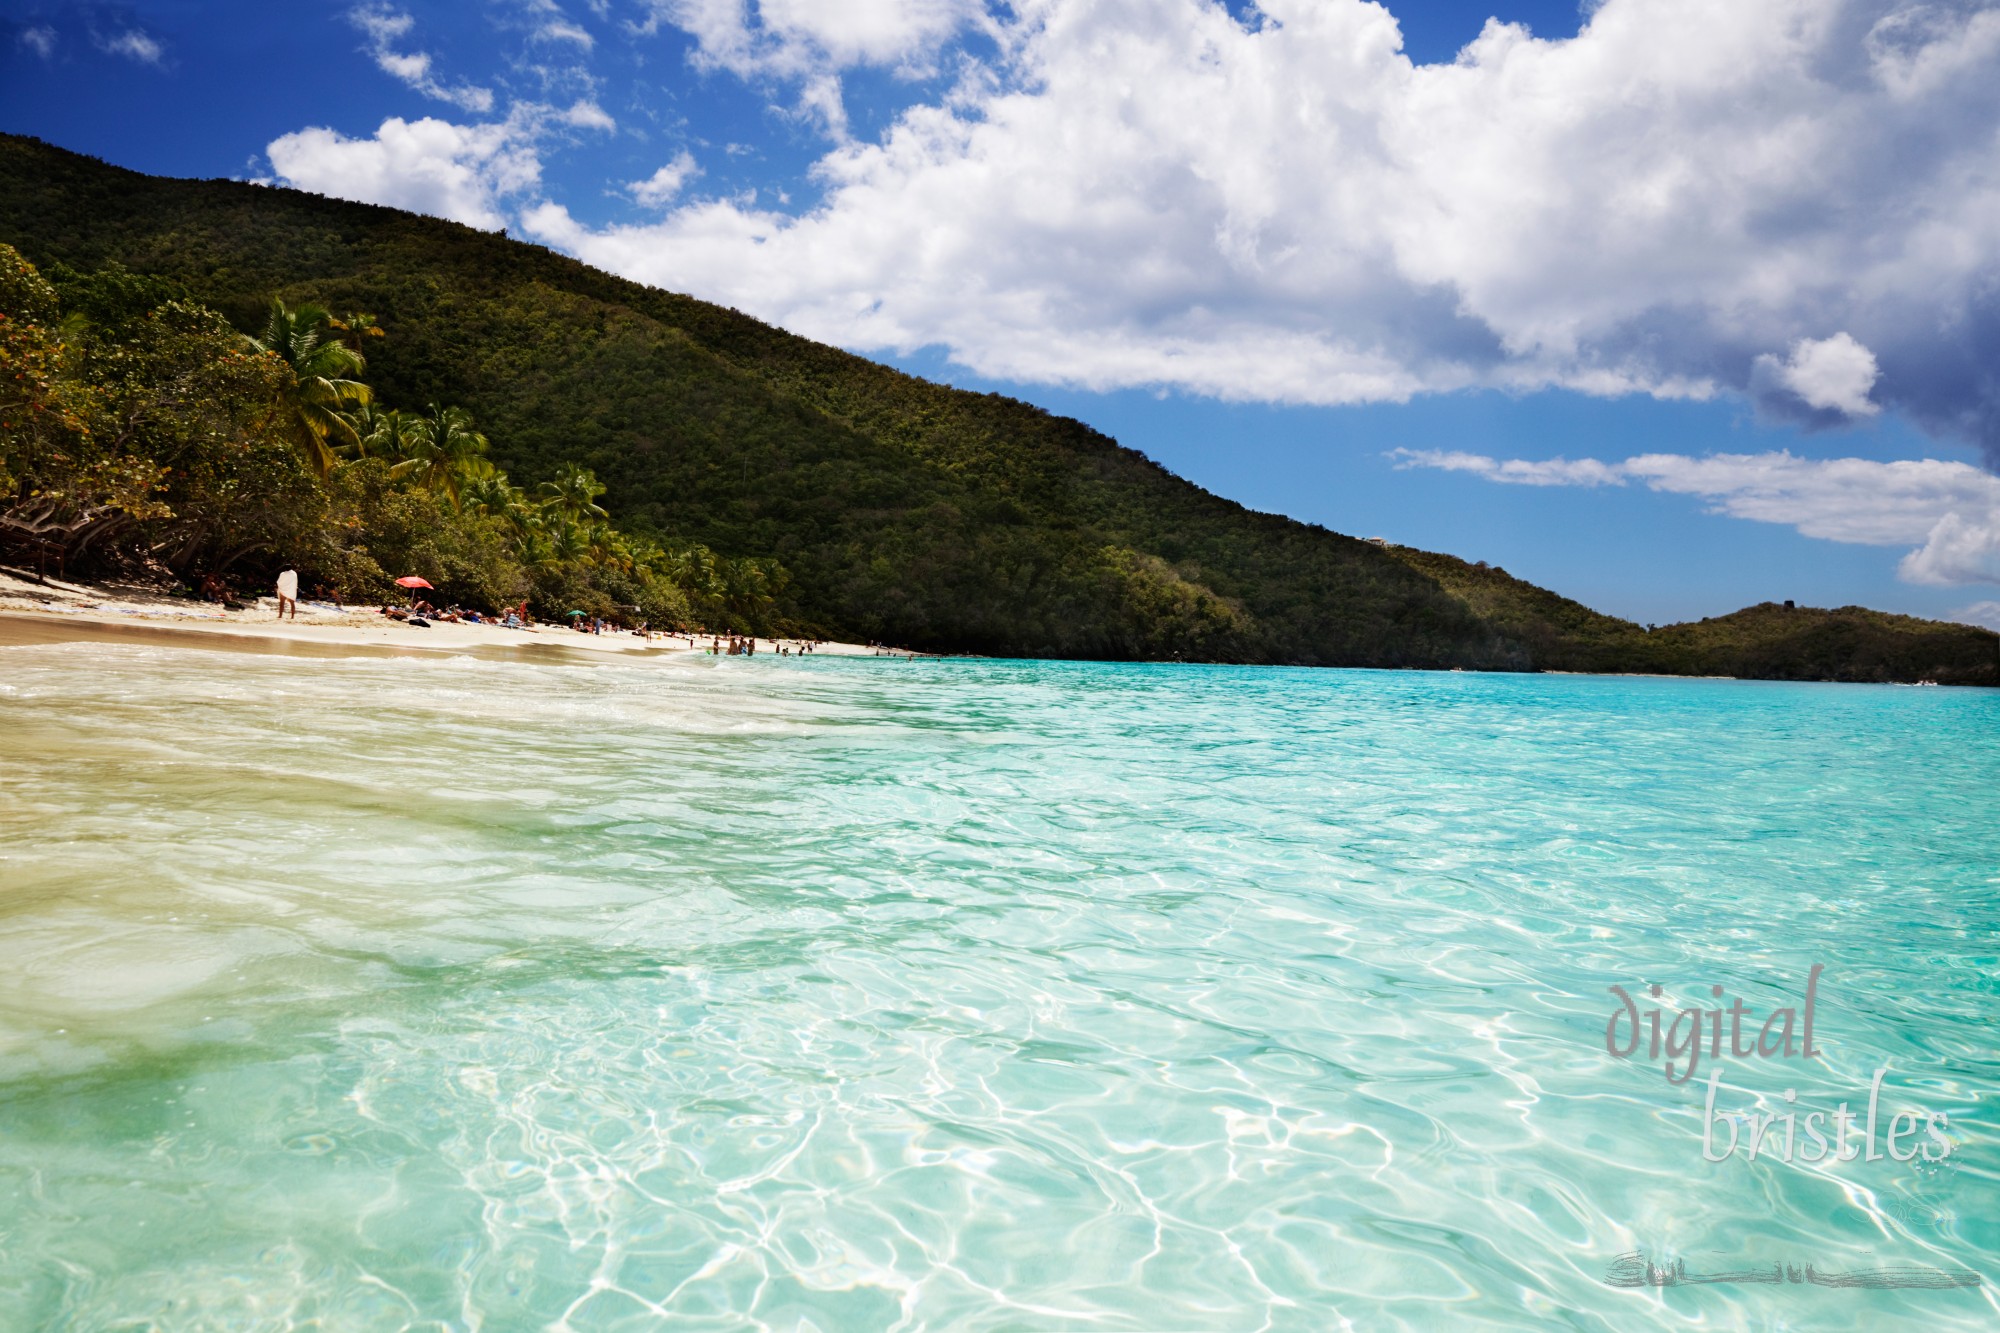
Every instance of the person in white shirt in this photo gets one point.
(288, 593)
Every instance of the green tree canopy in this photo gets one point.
(574, 492)
(321, 384)
(440, 449)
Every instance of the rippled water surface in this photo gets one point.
(866, 994)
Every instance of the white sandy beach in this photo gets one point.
(57, 611)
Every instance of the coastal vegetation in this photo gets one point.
(142, 435)
(752, 479)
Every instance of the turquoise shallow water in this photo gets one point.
(866, 994)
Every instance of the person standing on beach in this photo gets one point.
(288, 593)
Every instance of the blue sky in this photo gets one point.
(1682, 307)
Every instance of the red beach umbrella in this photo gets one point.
(411, 581)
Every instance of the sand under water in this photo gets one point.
(457, 991)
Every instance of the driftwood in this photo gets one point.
(47, 526)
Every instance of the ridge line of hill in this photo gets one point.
(892, 508)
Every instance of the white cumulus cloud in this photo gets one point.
(1949, 511)
(810, 41)
(1829, 375)
(786, 36)
(1795, 199)
(1983, 614)
(427, 166)
(1962, 548)
(39, 38)
(665, 184)
(386, 27)
(469, 173)
(585, 114)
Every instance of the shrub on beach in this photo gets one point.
(467, 558)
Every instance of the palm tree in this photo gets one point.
(608, 548)
(367, 421)
(484, 489)
(379, 432)
(568, 544)
(440, 449)
(321, 383)
(354, 328)
(550, 539)
(574, 493)
(530, 545)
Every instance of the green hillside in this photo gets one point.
(1768, 641)
(897, 509)
(1773, 642)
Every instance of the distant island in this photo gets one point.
(211, 380)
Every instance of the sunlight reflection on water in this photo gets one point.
(855, 994)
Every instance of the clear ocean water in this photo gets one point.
(863, 994)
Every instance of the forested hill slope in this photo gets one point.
(899, 509)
